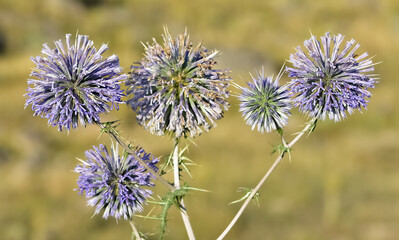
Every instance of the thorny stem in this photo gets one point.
(176, 172)
(115, 136)
(308, 127)
(135, 232)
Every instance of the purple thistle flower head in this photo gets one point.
(176, 89)
(264, 104)
(328, 80)
(73, 84)
(114, 183)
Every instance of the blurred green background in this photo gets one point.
(342, 182)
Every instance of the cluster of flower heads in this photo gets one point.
(114, 183)
(264, 104)
(175, 89)
(327, 81)
(74, 83)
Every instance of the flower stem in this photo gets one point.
(135, 232)
(256, 189)
(115, 136)
(176, 172)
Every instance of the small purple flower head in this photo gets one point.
(74, 84)
(327, 81)
(264, 104)
(113, 183)
(175, 89)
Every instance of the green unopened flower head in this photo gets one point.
(264, 104)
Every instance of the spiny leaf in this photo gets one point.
(195, 189)
(184, 162)
(109, 127)
(248, 192)
(171, 198)
(282, 150)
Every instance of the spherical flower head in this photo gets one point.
(114, 183)
(264, 104)
(73, 84)
(328, 81)
(175, 89)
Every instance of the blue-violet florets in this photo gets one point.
(175, 89)
(73, 84)
(114, 183)
(329, 81)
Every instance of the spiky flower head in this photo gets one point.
(73, 84)
(114, 183)
(328, 80)
(264, 104)
(176, 89)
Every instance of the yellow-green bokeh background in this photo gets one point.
(342, 182)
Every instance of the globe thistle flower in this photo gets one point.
(113, 183)
(175, 89)
(327, 81)
(73, 84)
(264, 104)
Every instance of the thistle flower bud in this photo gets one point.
(264, 104)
